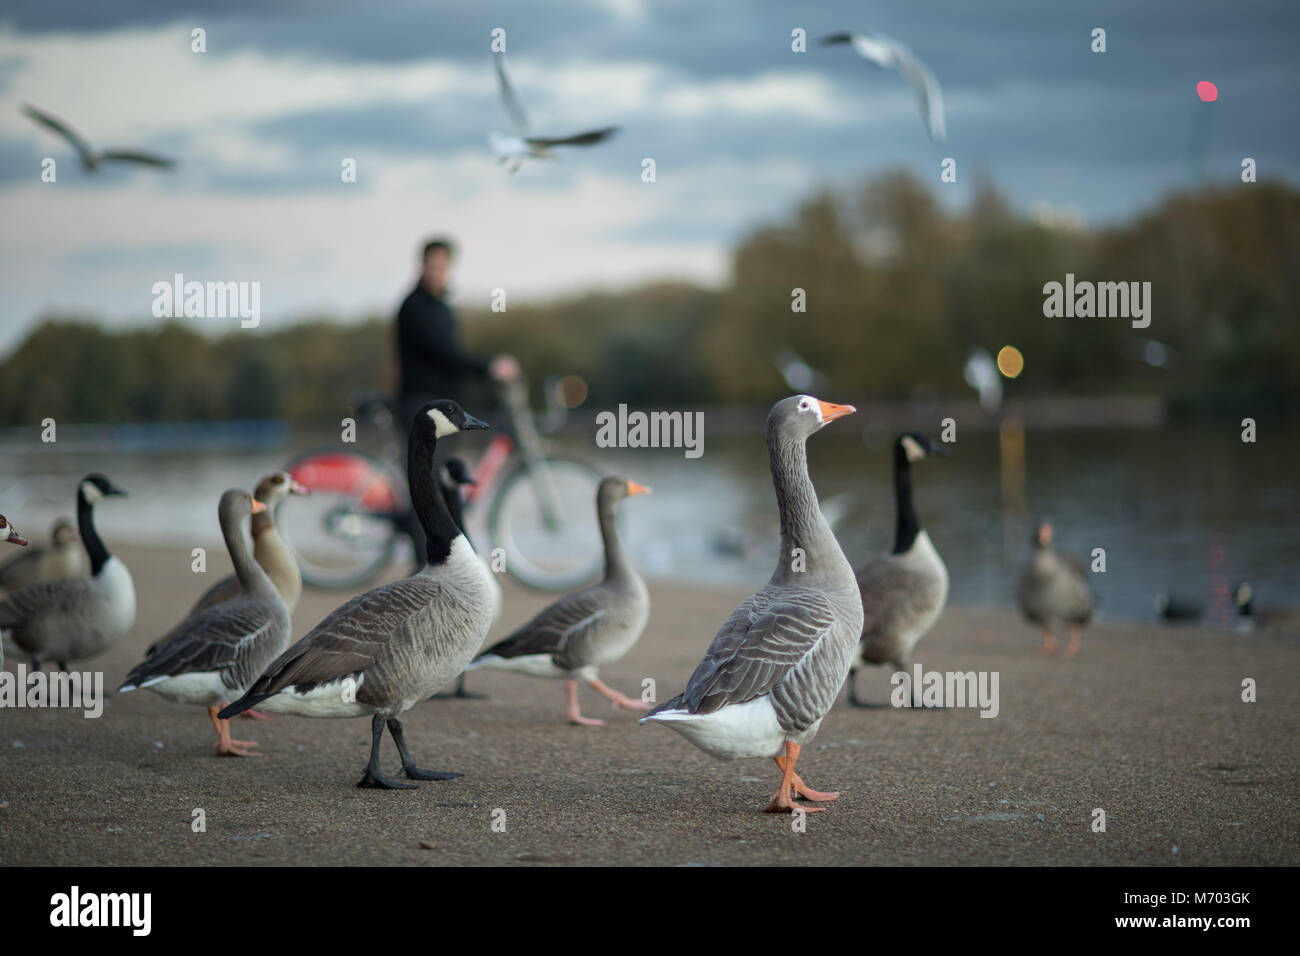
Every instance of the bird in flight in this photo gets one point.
(91, 158)
(889, 54)
(514, 149)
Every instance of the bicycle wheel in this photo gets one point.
(346, 531)
(550, 555)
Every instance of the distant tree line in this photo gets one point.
(896, 292)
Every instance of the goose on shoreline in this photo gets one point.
(1054, 592)
(386, 650)
(63, 558)
(454, 476)
(583, 631)
(775, 668)
(75, 618)
(1251, 618)
(216, 652)
(270, 551)
(903, 592)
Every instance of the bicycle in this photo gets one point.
(541, 512)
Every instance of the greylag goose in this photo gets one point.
(903, 592)
(584, 630)
(776, 666)
(75, 618)
(219, 650)
(454, 476)
(64, 558)
(269, 550)
(1054, 592)
(386, 650)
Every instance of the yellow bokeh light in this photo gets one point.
(1010, 362)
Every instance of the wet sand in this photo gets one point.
(1147, 724)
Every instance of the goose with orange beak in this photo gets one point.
(774, 669)
(216, 653)
(585, 630)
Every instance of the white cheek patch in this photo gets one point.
(91, 492)
(914, 451)
(443, 423)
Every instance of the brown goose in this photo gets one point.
(64, 558)
(777, 665)
(390, 648)
(903, 592)
(75, 618)
(218, 651)
(1054, 592)
(269, 550)
(582, 631)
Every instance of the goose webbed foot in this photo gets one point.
(617, 699)
(408, 762)
(792, 786)
(571, 707)
(226, 745)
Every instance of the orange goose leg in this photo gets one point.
(226, 747)
(792, 785)
(571, 708)
(619, 700)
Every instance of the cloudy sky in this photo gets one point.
(739, 126)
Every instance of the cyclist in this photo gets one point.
(431, 362)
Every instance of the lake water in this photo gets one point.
(1187, 508)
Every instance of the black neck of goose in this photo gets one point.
(426, 497)
(95, 549)
(796, 500)
(615, 563)
(908, 527)
(252, 578)
(455, 507)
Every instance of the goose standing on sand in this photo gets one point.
(386, 650)
(64, 558)
(776, 666)
(218, 651)
(454, 476)
(75, 618)
(582, 631)
(270, 551)
(1054, 592)
(903, 592)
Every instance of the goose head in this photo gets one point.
(1042, 536)
(455, 474)
(442, 418)
(801, 415)
(11, 533)
(917, 446)
(277, 486)
(237, 504)
(615, 488)
(63, 534)
(95, 487)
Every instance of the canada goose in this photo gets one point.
(64, 558)
(1250, 618)
(269, 550)
(903, 593)
(1054, 592)
(777, 665)
(91, 158)
(386, 650)
(577, 634)
(452, 478)
(75, 618)
(521, 146)
(219, 650)
(887, 53)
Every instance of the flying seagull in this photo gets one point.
(514, 149)
(889, 54)
(90, 159)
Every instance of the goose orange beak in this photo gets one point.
(633, 488)
(258, 507)
(16, 538)
(830, 411)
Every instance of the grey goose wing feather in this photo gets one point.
(224, 638)
(764, 641)
(224, 590)
(351, 639)
(563, 630)
(66, 596)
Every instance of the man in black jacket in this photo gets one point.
(431, 362)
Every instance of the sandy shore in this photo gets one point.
(1147, 723)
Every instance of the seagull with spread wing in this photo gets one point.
(515, 148)
(91, 158)
(889, 54)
